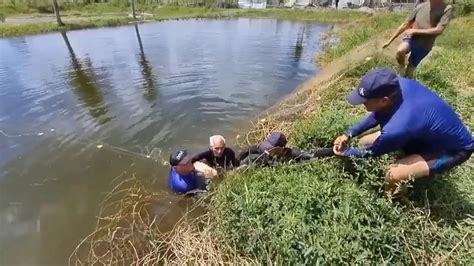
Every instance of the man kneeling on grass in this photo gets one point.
(413, 119)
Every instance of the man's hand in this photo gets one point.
(340, 144)
(385, 45)
(341, 141)
(338, 151)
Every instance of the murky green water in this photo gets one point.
(81, 108)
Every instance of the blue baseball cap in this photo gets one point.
(378, 83)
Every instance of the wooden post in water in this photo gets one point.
(56, 12)
(132, 5)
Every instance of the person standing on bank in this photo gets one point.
(413, 119)
(422, 26)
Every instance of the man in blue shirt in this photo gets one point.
(413, 119)
(183, 178)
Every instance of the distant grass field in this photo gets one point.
(99, 15)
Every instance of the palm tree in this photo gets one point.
(56, 12)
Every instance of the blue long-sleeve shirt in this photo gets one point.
(420, 122)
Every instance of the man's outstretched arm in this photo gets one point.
(385, 143)
(366, 123)
(363, 125)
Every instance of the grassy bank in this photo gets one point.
(333, 211)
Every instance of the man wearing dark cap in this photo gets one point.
(183, 177)
(413, 119)
(274, 147)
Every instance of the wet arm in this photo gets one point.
(200, 156)
(249, 150)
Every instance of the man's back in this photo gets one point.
(429, 123)
(428, 16)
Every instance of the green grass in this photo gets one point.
(333, 211)
(16, 30)
(324, 15)
(89, 17)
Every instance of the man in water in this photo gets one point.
(183, 177)
(413, 119)
(274, 148)
(217, 157)
(421, 27)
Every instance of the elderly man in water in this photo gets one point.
(217, 157)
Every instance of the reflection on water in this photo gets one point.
(299, 45)
(82, 79)
(82, 110)
(149, 84)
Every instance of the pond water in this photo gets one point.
(79, 109)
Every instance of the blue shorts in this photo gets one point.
(417, 53)
(440, 162)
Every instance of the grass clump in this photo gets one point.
(323, 15)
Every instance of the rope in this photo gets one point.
(99, 145)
